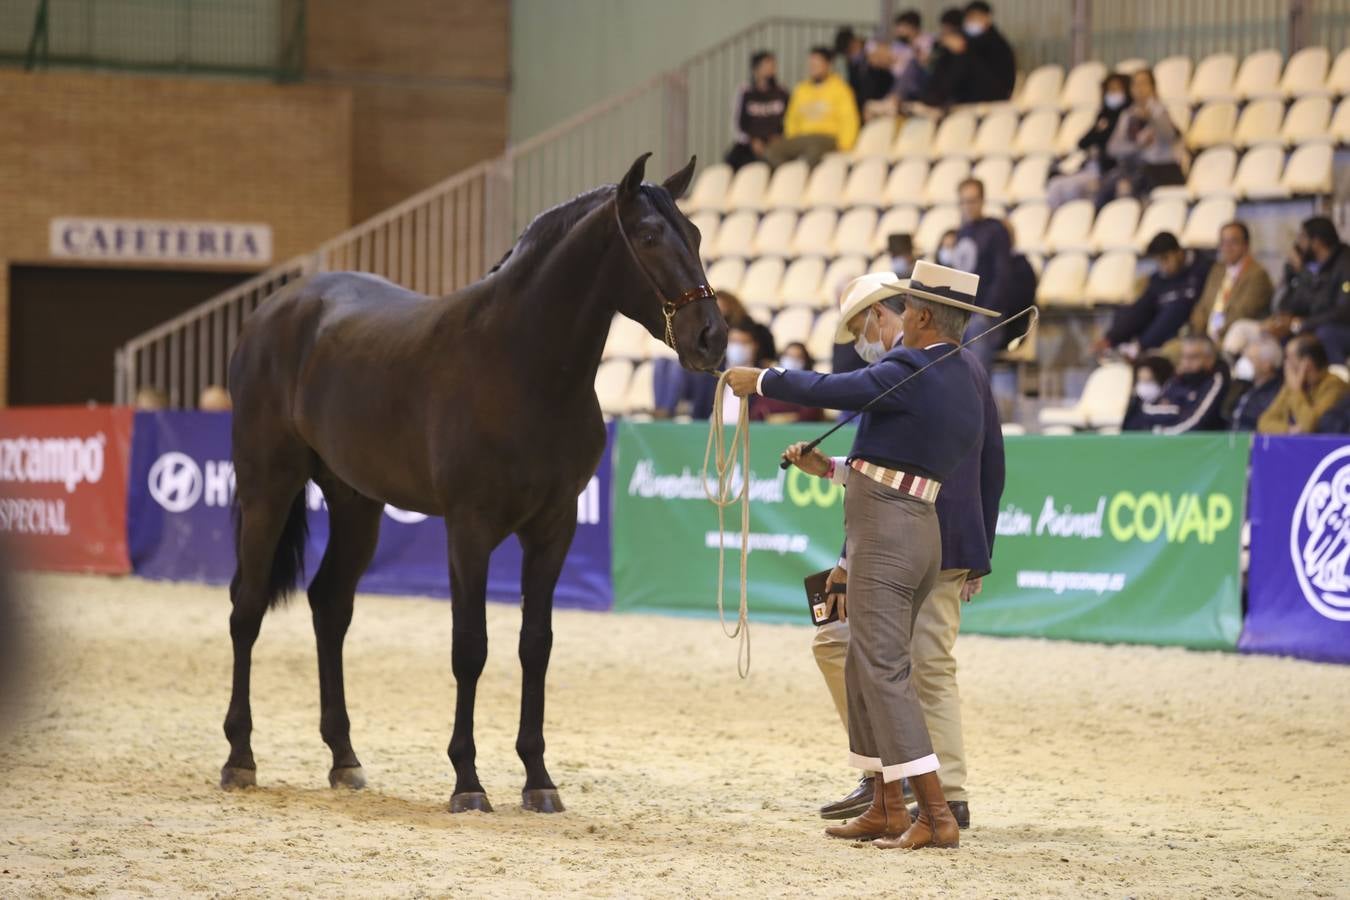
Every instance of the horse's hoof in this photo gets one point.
(544, 800)
(232, 777)
(353, 777)
(470, 801)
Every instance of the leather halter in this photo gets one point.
(668, 307)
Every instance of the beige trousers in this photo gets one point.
(934, 676)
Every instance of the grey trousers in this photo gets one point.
(894, 551)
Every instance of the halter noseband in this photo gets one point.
(668, 307)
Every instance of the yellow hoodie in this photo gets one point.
(824, 108)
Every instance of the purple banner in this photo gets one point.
(1298, 586)
(179, 526)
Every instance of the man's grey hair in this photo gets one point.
(948, 321)
(1267, 349)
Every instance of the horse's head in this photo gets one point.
(673, 300)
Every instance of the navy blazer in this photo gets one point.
(967, 505)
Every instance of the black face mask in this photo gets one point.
(1192, 379)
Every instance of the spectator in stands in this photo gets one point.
(1237, 289)
(1020, 290)
(1145, 145)
(1165, 305)
(214, 398)
(1315, 296)
(1257, 379)
(674, 387)
(869, 72)
(948, 77)
(1151, 372)
(1337, 419)
(821, 116)
(150, 399)
(760, 107)
(795, 357)
(946, 251)
(1192, 399)
(994, 63)
(983, 247)
(905, 56)
(1309, 391)
(1087, 181)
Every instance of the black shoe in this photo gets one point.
(855, 804)
(960, 811)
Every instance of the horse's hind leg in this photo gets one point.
(354, 529)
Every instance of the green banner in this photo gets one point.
(1130, 538)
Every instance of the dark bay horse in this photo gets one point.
(479, 407)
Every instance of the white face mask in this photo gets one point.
(1243, 370)
(738, 354)
(870, 351)
(1114, 100)
(791, 363)
(1147, 391)
(947, 257)
(974, 29)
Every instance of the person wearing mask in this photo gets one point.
(760, 108)
(1309, 391)
(1257, 379)
(795, 358)
(1165, 305)
(1087, 180)
(984, 247)
(910, 50)
(822, 115)
(1315, 297)
(673, 384)
(994, 63)
(742, 350)
(1145, 144)
(1151, 372)
(948, 79)
(1020, 291)
(867, 65)
(1191, 400)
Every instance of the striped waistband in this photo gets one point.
(924, 488)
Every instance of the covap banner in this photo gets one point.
(178, 519)
(1298, 587)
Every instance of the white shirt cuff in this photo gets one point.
(843, 564)
(759, 382)
(840, 469)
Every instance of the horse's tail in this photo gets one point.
(288, 559)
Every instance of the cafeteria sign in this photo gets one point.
(143, 240)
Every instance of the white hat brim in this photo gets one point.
(938, 298)
(841, 333)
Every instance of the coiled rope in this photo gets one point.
(723, 455)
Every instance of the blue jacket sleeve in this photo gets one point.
(992, 470)
(845, 390)
(1130, 321)
(1001, 248)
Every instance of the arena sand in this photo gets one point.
(1097, 771)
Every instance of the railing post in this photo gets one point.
(676, 105)
(119, 379)
(1300, 17)
(498, 208)
(1080, 45)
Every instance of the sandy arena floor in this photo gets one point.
(1097, 771)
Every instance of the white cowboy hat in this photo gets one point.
(942, 284)
(858, 295)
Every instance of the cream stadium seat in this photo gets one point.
(995, 135)
(735, 236)
(896, 220)
(1028, 179)
(1036, 261)
(1131, 65)
(1036, 134)
(1340, 123)
(1111, 279)
(1070, 227)
(1203, 224)
(1076, 124)
(942, 181)
(955, 136)
(791, 326)
(854, 234)
(1258, 78)
(1309, 171)
(787, 186)
(748, 187)
(1179, 111)
(641, 395)
(1338, 81)
(1160, 216)
(840, 272)
(1308, 122)
(935, 223)
(1305, 75)
(993, 172)
(880, 263)
(1028, 223)
(760, 312)
(914, 139)
(1115, 226)
(710, 191)
(1041, 89)
(801, 282)
(1260, 123)
(1213, 125)
(1063, 280)
(825, 187)
(815, 233)
(727, 274)
(1105, 397)
(1083, 87)
(1258, 175)
(1012, 429)
(1173, 77)
(706, 223)
(865, 186)
(627, 340)
(611, 385)
(875, 139)
(762, 281)
(1213, 78)
(820, 343)
(905, 184)
(774, 234)
(1211, 175)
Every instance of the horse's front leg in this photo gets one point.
(469, 554)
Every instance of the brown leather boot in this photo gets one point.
(935, 826)
(886, 817)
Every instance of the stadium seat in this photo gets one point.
(1028, 179)
(1214, 78)
(1083, 87)
(1258, 78)
(1309, 171)
(935, 223)
(1028, 223)
(1111, 278)
(1258, 174)
(914, 139)
(774, 234)
(801, 282)
(611, 385)
(815, 233)
(641, 395)
(760, 312)
(1105, 397)
(735, 236)
(1211, 175)
(896, 220)
(710, 190)
(865, 185)
(993, 172)
(706, 223)
(1173, 77)
(1063, 280)
(627, 340)
(1203, 224)
(1213, 125)
(787, 186)
(762, 281)
(1036, 135)
(1042, 88)
(1308, 122)
(905, 184)
(880, 263)
(854, 234)
(1131, 65)
(825, 186)
(820, 343)
(1012, 429)
(955, 136)
(1260, 124)
(1180, 114)
(875, 139)
(1340, 123)
(943, 179)
(1159, 216)
(1338, 81)
(1070, 227)
(1114, 226)
(840, 272)
(748, 187)
(1305, 75)
(1076, 124)
(791, 326)
(995, 135)
(727, 274)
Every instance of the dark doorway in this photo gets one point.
(66, 323)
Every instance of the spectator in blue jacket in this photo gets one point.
(1165, 305)
(1192, 399)
(983, 246)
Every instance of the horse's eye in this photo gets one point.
(649, 238)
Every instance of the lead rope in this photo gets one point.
(723, 457)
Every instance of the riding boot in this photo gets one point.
(886, 817)
(935, 826)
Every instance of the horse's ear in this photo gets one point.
(678, 183)
(633, 180)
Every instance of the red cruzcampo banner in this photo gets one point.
(63, 488)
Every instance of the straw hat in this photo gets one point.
(861, 293)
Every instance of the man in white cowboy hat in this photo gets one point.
(904, 448)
